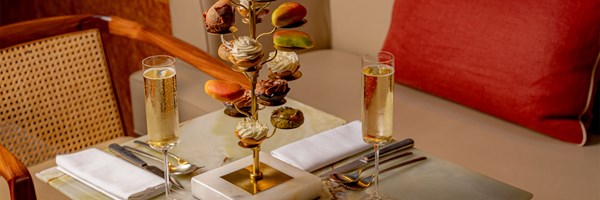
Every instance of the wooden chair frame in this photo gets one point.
(16, 173)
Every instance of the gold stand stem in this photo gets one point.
(252, 27)
(254, 108)
(256, 174)
(252, 19)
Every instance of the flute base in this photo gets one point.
(233, 180)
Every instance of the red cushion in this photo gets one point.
(526, 61)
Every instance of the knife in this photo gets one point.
(133, 159)
(363, 160)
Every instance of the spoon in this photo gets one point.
(367, 181)
(174, 169)
(353, 176)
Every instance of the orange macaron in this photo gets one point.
(225, 91)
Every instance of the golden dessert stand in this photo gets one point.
(252, 177)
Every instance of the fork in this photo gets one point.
(353, 176)
(361, 184)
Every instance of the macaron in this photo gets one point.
(221, 90)
(287, 14)
(292, 39)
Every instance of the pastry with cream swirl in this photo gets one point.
(246, 52)
(251, 132)
(223, 51)
(285, 64)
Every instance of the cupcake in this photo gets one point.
(251, 132)
(272, 92)
(287, 118)
(246, 52)
(244, 104)
(284, 65)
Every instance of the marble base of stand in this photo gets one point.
(211, 185)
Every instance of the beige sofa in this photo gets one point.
(344, 29)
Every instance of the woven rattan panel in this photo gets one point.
(56, 97)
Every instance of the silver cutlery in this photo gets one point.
(364, 183)
(353, 176)
(128, 155)
(369, 157)
(178, 169)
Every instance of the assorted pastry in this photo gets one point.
(284, 65)
(287, 118)
(224, 91)
(247, 55)
(288, 14)
(243, 10)
(290, 40)
(223, 51)
(271, 92)
(245, 52)
(219, 17)
(251, 132)
(244, 104)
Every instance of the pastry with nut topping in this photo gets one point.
(287, 118)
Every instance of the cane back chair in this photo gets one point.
(56, 91)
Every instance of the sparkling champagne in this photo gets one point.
(160, 87)
(377, 103)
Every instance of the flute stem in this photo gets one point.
(376, 194)
(167, 175)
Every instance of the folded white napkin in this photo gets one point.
(324, 148)
(110, 175)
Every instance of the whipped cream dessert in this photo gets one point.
(251, 130)
(246, 48)
(284, 61)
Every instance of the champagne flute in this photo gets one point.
(160, 98)
(377, 105)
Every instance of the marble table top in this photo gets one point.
(209, 141)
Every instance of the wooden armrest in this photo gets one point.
(20, 32)
(198, 58)
(16, 174)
